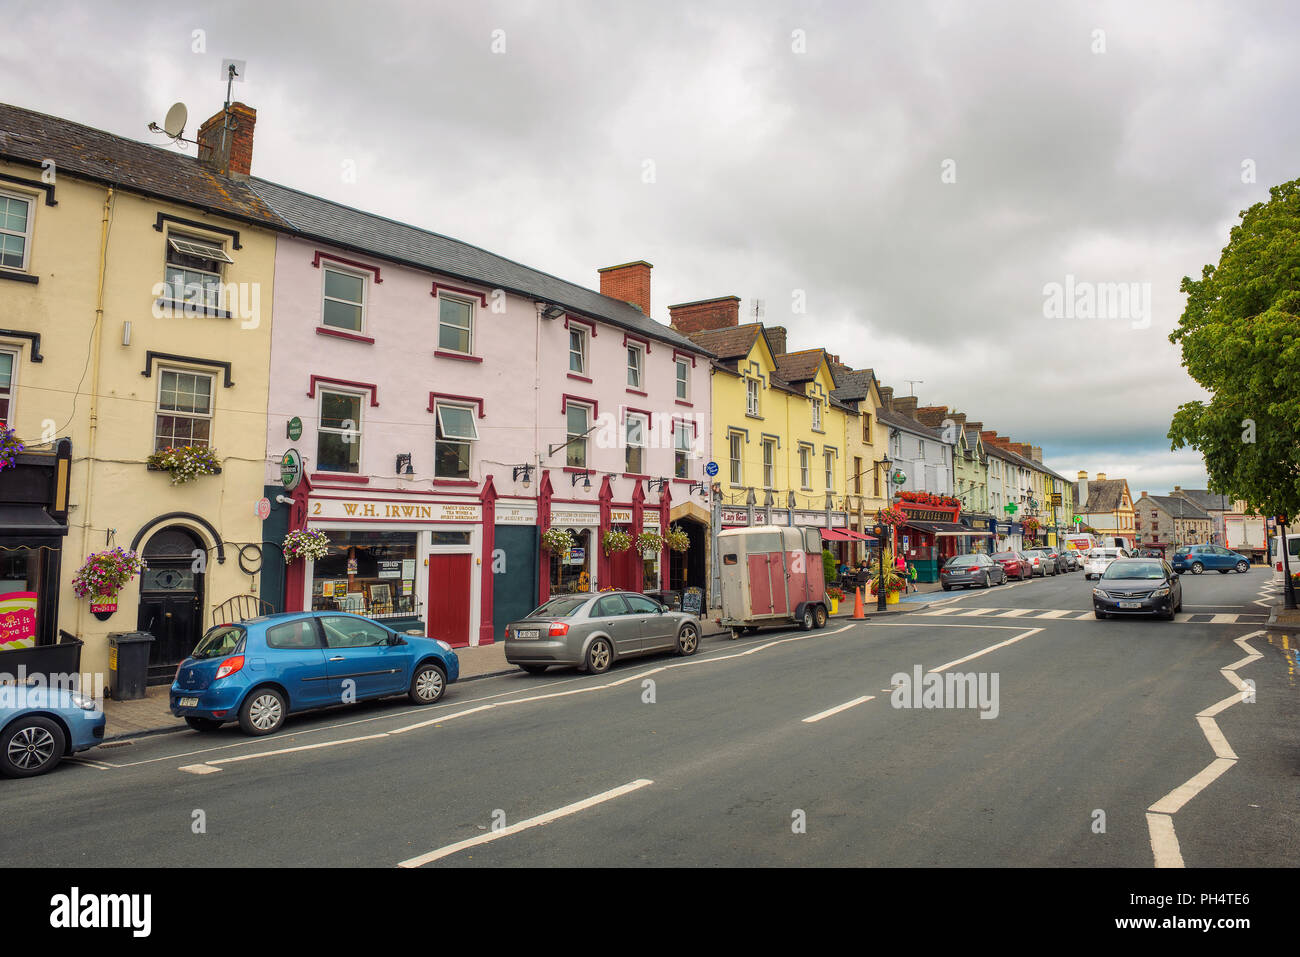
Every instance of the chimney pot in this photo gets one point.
(1101, 476)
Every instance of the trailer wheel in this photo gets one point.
(820, 616)
(736, 633)
(807, 623)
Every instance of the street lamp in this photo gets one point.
(886, 461)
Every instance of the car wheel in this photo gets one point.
(987, 582)
(807, 623)
(819, 616)
(534, 669)
(1197, 568)
(31, 746)
(1243, 567)
(428, 684)
(263, 711)
(599, 656)
(688, 641)
(947, 588)
(203, 724)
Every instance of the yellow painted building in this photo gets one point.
(866, 485)
(148, 277)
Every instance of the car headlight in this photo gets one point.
(1098, 593)
(84, 702)
(442, 644)
(1160, 592)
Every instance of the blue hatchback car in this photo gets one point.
(259, 671)
(1200, 558)
(40, 725)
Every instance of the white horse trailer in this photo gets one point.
(771, 575)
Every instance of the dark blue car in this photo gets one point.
(42, 724)
(259, 671)
(1200, 558)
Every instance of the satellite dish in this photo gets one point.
(177, 116)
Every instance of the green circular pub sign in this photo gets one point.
(290, 470)
(294, 429)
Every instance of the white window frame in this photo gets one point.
(682, 447)
(637, 349)
(359, 431)
(753, 393)
(736, 462)
(221, 258)
(582, 353)
(473, 317)
(629, 444)
(817, 414)
(574, 441)
(365, 297)
(439, 405)
(683, 378)
(15, 356)
(30, 200)
(805, 467)
(212, 402)
(828, 458)
(769, 463)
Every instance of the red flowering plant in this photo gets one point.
(894, 515)
(104, 574)
(1031, 526)
(929, 498)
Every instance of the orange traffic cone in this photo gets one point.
(858, 611)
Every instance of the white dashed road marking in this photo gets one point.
(838, 708)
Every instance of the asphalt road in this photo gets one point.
(716, 762)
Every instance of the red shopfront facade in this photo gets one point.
(931, 535)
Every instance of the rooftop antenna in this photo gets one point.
(913, 383)
(759, 310)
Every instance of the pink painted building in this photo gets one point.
(449, 405)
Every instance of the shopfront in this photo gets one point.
(576, 570)
(33, 525)
(931, 535)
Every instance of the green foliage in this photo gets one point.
(1240, 339)
(830, 566)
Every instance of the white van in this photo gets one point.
(1097, 560)
(1292, 557)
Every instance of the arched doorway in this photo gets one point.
(171, 599)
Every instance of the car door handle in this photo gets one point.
(337, 658)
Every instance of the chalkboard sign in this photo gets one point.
(693, 601)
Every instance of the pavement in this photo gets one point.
(1102, 743)
(150, 714)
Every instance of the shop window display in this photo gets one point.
(369, 573)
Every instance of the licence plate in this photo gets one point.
(1130, 604)
(189, 702)
(527, 633)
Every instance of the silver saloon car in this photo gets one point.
(593, 630)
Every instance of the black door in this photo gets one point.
(171, 601)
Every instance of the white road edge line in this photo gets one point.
(838, 708)
(538, 821)
(1160, 821)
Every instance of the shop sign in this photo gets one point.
(293, 430)
(620, 516)
(18, 620)
(516, 514)
(325, 509)
(290, 470)
(926, 515)
(735, 516)
(650, 521)
(563, 517)
(576, 556)
(810, 518)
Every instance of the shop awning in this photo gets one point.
(834, 535)
(20, 520)
(946, 529)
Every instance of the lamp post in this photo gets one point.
(880, 543)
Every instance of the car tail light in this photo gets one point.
(558, 629)
(1278, 566)
(229, 666)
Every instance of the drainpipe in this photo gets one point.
(96, 336)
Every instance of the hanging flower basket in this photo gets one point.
(1030, 526)
(103, 574)
(616, 540)
(557, 541)
(678, 540)
(306, 543)
(650, 543)
(9, 447)
(185, 463)
(894, 515)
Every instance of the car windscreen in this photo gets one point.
(560, 607)
(963, 560)
(1006, 556)
(219, 642)
(1133, 570)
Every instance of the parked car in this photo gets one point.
(1037, 567)
(41, 724)
(1138, 586)
(1045, 560)
(1199, 558)
(593, 630)
(1099, 560)
(260, 671)
(973, 569)
(1152, 553)
(1015, 565)
(1072, 563)
(1058, 559)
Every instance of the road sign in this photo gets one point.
(711, 469)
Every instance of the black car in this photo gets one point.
(973, 569)
(1138, 586)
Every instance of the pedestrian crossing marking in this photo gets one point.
(1063, 614)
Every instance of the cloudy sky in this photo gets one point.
(897, 182)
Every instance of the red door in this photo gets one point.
(449, 598)
(780, 584)
(760, 587)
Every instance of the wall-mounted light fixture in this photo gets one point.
(697, 488)
(404, 466)
(585, 476)
(656, 485)
(526, 471)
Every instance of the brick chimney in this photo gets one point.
(1144, 494)
(975, 427)
(705, 315)
(932, 415)
(629, 282)
(886, 397)
(776, 339)
(235, 157)
(906, 405)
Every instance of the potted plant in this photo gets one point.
(649, 543)
(9, 447)
(557, 541)
(677, 539)
(888, 579)
(834, 595)
(616, 540)
(102, 575)
(309, 543)
(185, 463)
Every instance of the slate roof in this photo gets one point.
(1207, 500)
(1104, 496)
(799, 366)
(896, 420)
(851, 385)
(30, 137)
(1176, 507)
(364, 232)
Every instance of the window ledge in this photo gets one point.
(636, 391)
(158, 468)
(689, 405)
(343, 334)
(188, 310)
(443, 354)
(580, 378)
(460, 483)
(340, 477)
(19, 276)
(753, 415)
